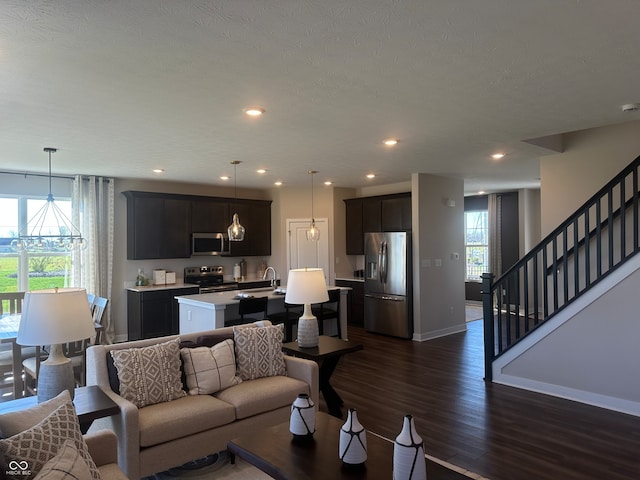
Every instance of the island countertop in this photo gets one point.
(217, 299)
(207, 311)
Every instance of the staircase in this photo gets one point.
(566, 266)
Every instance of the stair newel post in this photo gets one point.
(487, 314)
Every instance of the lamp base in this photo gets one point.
(307, 329)
(55, 375)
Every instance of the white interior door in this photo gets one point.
(305, 253)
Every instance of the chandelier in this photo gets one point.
(49, 230)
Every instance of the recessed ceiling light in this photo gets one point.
(631, 107)
(390, 142)
(371, 175)
(254, 111)
(224, 177)
(481, 192)
(262, 170)
(158, 170)
(328, 182)
(497, 156)
(278, 183)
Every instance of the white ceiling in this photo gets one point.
(124, 86)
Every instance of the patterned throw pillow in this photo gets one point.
(68, 464)
(149, 375)
(259, 351)
(210, 369)
(34, 447)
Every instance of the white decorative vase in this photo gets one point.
(307, 332)
(408, 453)
(302, 423)
(353, 441)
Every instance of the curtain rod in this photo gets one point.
(66, 177)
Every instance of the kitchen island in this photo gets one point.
(207, 311)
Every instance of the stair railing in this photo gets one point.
(595, 240)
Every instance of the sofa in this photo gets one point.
(45, 442)
(200, 416)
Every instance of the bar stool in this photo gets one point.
(328, 311)
(248, 306)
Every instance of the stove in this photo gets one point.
(209, 279)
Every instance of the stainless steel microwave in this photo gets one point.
(209, 244)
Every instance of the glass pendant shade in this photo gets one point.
(313, 232)
(235, 230)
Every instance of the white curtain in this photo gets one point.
(495, 234)
(93, 199)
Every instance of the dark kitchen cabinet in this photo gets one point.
(355, 301)
(210, 215)
(158, 226)
(375, 214)
(355, 237)
(395, 213)
(371, 210)
(154, 313)
(255, 217)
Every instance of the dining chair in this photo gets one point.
(289, 317)
(99, 307)
(249, 306)
(328, 310)
(11, 304)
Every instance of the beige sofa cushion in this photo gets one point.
(209, 369)
(262, 395)
(150, 375)
(162, 422)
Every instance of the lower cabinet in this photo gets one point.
(355, 303)
(154, 313)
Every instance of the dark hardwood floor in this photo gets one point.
(499, 432)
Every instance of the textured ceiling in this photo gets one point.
(124, 86)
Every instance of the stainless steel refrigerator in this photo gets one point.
(388, 305)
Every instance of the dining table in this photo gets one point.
(9, 325)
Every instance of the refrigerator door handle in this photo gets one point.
(380, 264)
(383, 262)
(385, 297)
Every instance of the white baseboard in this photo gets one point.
(422, 337)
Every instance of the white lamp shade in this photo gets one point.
(55, 316)
(306, 286)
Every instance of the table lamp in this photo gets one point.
(304, 287)
(53, 317)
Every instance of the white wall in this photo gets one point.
(587, 353)
(437, 234)
(591, 158)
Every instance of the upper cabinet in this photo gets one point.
(160, 225)
(375, 214)
(156, 226)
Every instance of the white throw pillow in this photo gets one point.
(210, 369)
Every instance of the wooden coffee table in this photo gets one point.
(273, 451)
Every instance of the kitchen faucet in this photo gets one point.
(275, 274)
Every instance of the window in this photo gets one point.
(24, 271)
(476, 227)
